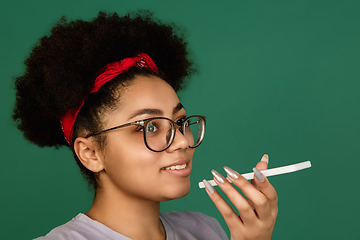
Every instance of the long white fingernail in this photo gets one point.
(258, 175)
(265, 158)
(208, 186)
(218, 176)
(231, 173)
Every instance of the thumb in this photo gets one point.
(263, 164)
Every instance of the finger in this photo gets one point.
(259, 200)
(270, 192)
(231, 218)
(245, 209)
(267, 189)
(263, 164)
(251, 204)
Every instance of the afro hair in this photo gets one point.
(62, 67)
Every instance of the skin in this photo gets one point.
(131, 177)
(257, 215)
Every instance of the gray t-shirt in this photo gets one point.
(178, 226)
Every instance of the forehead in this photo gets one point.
(147, 92)
(149, 88)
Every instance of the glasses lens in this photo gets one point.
(159, 134)
(194, 130)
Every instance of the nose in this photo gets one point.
(179, 142)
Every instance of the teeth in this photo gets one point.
(176, 167)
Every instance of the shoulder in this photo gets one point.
(193, 225)
(63, 231)
(82, 227)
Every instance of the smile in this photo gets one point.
(175, 167)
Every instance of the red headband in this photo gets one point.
(111, 71)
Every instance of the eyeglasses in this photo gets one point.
(159, 132)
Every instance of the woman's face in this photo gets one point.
(130, 168)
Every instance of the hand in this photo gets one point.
(257, 214)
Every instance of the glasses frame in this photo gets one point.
(144, 123)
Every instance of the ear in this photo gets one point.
(89, 154)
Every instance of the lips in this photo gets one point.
(178, 169)
(178, 165)
(175, 167)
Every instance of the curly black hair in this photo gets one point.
(62, 67)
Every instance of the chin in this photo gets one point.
(176, 193)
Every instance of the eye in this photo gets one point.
(151, 128)
(180, 122)
(138, 128)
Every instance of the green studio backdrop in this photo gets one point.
(277, 77)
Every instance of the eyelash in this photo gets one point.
(180, 119)
(140, 128)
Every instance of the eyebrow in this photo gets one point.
(154, 111)
(178, 107)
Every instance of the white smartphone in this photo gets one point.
(269, 172)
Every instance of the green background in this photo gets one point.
(276, 77)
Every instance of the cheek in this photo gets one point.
(190, 153)
(189, 136)
(130, 161)
(133, 169)
(128, 158)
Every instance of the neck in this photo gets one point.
(130, 216)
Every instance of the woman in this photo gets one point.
(107, 89)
